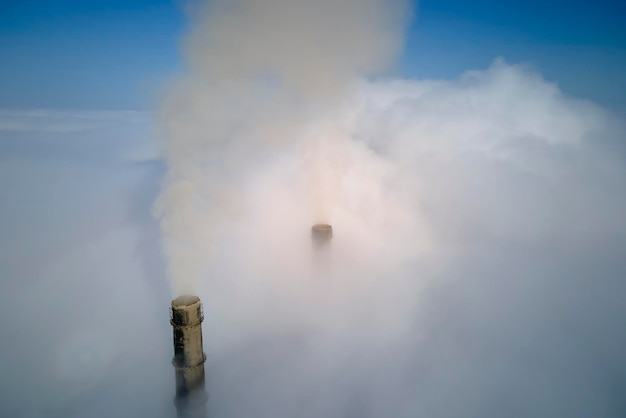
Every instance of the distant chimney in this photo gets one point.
(186, 319)
(321, 234)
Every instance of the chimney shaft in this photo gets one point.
(321, 234)
(186, 319)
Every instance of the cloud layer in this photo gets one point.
(476, 263)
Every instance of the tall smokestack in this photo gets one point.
(186, 319)
(321, 234)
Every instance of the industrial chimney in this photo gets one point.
(321, 234)
(186, 319)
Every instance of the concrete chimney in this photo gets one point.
(186, 319)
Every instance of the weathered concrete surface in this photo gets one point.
(186, 319)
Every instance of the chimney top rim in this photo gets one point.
(185, 301)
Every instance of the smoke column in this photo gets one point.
(264, 76)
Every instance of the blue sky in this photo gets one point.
(118, 54)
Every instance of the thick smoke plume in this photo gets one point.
(264, 76)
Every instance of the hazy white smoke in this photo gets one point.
(263, 75)
(471, 218)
